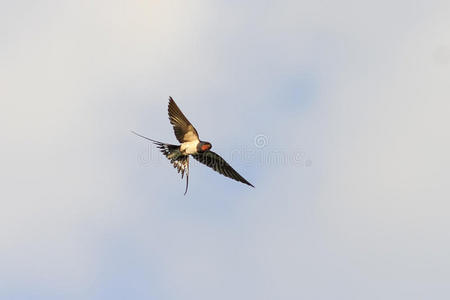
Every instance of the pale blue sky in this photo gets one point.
(350, 101)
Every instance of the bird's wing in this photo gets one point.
(179, 162)
(183, 129)
(218, 164)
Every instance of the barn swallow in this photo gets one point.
(191, 145)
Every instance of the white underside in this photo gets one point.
(189, 147)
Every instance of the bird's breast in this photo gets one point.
(189, 147)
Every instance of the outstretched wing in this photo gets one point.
(183, 129)
(218, 164)
(172, 152)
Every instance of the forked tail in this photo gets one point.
(177, 159)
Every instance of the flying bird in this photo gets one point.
(191, 145)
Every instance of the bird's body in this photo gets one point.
(189, 148)
(191, 145)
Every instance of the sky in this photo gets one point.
(337, 112)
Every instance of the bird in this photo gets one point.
(191, 145)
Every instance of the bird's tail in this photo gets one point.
(173, 153)
(170, 151)
(156, 142)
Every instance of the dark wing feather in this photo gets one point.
(183, 129)
(218, 164)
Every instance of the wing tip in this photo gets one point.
(248, 183)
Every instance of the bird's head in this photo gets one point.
(204, 146)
